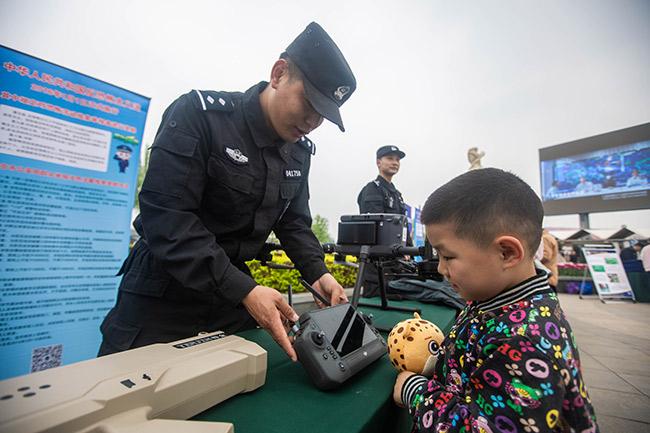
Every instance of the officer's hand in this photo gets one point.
(399, 383)
(269, 308)
(330, 289)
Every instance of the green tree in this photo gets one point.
(320, 227)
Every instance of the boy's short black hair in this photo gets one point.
(485, 203)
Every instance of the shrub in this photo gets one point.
(281, 278)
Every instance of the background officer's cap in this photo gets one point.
(328, 79)
(388, 150)
(124, 148)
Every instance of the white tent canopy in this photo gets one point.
(564, 233)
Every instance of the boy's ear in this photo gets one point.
(511, 249)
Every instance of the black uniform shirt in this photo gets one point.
(380, 196)
(219, 180)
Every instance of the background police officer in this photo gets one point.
(381, 196)
(226, 169)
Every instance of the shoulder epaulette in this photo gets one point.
(308, 145)
(210, 100)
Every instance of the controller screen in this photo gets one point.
(346, 330)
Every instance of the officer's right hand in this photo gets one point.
(270, 310)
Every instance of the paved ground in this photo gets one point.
(614, 344)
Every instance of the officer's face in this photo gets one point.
(289, 112)
(388, 165)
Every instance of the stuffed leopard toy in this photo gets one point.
(414, 345)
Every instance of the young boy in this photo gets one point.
(509, 363)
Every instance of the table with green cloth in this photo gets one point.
(640, 282)
(289, 402)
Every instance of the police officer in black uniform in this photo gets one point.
(381, 196)
(226, 169)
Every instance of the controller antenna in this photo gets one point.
(313, 291)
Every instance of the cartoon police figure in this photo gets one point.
(122, 156)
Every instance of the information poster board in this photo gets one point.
(418, 235)
(69, 150)
(607, 272)
(415, 228)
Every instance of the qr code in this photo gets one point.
(46, 357)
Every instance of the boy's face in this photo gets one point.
(475, 272)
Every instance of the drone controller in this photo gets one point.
(335, 343)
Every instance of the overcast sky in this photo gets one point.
(434, 77)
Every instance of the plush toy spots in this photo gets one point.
(414, 344)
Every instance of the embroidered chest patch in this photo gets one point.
(236, 156)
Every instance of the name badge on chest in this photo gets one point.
(292, 173)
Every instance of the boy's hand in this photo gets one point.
(399, 383)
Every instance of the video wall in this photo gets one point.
(608, 172)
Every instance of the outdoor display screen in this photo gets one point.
(608, 172)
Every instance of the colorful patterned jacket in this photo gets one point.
(509, 364)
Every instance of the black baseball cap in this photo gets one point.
(388, 150)
(328, 79)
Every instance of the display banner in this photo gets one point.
(418, 236)
(69, 150)
(408, 211)
(607, 272)
(415, 229)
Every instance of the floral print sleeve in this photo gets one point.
(508, 365)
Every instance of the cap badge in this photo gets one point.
(236, 155)
(393, 148)
(340, 93)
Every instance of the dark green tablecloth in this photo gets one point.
(640, 282)
(289, 402)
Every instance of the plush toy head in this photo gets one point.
(413, 342)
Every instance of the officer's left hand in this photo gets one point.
(329, 288)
